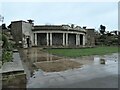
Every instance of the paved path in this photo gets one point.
(16, 65)
(93, 75)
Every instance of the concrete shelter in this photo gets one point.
(27, 34)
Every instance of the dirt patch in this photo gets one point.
(56, 66)
(52, 58)
(43, 58)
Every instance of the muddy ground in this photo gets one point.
(89, 68)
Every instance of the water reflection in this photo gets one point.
(109, 59)
(33, 55)
(36, 55)
(96, 60)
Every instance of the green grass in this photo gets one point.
(83, 52)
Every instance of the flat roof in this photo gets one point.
(56, 28)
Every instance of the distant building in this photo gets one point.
(29, 35)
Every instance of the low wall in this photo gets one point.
(14, 81)
(13, 74)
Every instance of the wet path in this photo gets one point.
(91, 75)
(33, 55)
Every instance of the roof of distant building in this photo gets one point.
(57, 27)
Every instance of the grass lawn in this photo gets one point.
(84, 52)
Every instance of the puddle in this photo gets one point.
(96, 60)
(109, 59)
(39, 56)
(35, 59)
(35, 55)
(38, 65)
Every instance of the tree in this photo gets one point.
(115, 32)
(108, 33)
(4, 26)
(102, 29)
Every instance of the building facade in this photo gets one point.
(27, 34)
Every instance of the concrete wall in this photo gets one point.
(27, 30)
(16, 30)
(16, 81)
(90, 37)
(41, 39)
(57, 38)
(20, 31)
(71, 39)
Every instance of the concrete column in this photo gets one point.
(79, 39)
(36, 39)
(66, 39)
(76, 39)
(63, 39)
(83, 40)
(47, 36)
(50, 39)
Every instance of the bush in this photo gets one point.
(6, 56)
(5, 41)
(7, 50)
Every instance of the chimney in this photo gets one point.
(84, 27)
(30, 21)
(72, 25)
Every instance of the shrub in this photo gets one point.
(5, 41)
(6, 56)
(7, 50)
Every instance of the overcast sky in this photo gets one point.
(90, 14)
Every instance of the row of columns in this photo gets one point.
(64, 35)
(78, 39)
